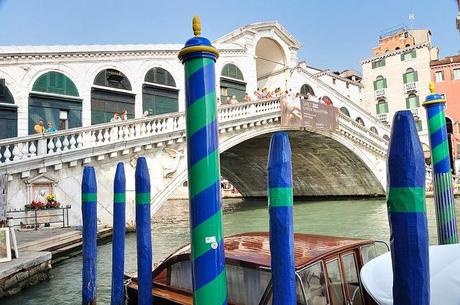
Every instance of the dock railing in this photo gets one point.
(34, 218)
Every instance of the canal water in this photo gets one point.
(170, 230)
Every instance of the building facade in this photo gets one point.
(74, 86)
(397, 76)
(445, 74)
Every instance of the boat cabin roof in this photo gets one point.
(254, 248)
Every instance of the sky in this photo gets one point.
(335, 34)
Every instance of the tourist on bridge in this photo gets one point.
(39, 128)
(116, 118)
(124, 115)
(247, 98)
(233, 100)
(50, 128)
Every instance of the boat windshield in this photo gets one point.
(245, 285)
(314, 285)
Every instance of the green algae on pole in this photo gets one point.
(207, 243)
(280, 202)
(442, 176)
(89, 238)
(143, 233)
(407, 213)
(118, 237)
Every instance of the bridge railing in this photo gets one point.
(34, 146)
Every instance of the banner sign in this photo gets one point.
(308, 114)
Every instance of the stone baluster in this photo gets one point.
(50, 146)
(106, 135)
(132, 131)
(32, 149)
(80, 140)
(65, 144)
(7, 154)
(100, 137)
(72, 142)
(16, 152)
(58, 144)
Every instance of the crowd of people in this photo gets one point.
(118, 118)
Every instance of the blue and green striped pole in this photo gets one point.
(143, 233)
(89, 239)
(280, 201)
(407, 213)
(207, 242)
(442, 175)
(118, 237)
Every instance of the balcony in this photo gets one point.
(410, 87)
(383, 117)
(414, 112)
(379, 93)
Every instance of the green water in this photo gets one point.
(353, 218)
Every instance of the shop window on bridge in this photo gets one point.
(8, 112)
(306, 89)
(412, 102)
(345, 111)
(411, 76)
(360, 121)
(111, 93)
(159, 92)
(54, 93)
(232, 83)
(382, 106)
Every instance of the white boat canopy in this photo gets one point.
(377, 276)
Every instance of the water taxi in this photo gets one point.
(327, 271)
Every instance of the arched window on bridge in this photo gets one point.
(360, 121)
(231, 83)
(110, 93)
(386, 137)
(54, 99)
(8, 113)
(374, 130)
(306, 88)
(327, 100)
(345, 111)
(159, 92)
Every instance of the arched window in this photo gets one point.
(306, 88)
(397, 48)
(382, 106)
(8, 113)
(380, 83)
(55, 101)
(386, 137)
(407, 45)
(374, 130)
(410, 76)
(159, 92)
(327, 100)
(232, 83)
(105, 101)
(412, 101)
(345, 111)
(360, 121)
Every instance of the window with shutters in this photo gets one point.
(411, 76)
(232, 71)
(412, 101)
(455, 74)
(380, 83)
(378, 63)
(382, 106)
(55, 83)
(112, 78)
(439, 76)
(160, 76)
(306, 88)
(409, 55)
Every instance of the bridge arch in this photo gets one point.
(271, 63)
(111, 92)
(159, 92)
(55, 100)
(345, 159)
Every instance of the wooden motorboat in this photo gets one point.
(327, 271)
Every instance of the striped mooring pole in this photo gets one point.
(143, 233)
(441, 168)
(407, 213)
(89, 239)
(207, 243)
(280, 202)
(118, 237)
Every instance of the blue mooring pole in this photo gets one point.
(407, 213)
(143, 229)
(280, 202)
(89, 216)
(118, 237)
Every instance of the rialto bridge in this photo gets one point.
(78, 88)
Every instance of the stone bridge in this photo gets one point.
(349, 161)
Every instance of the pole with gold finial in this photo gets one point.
(442, 175)
(207, 240)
